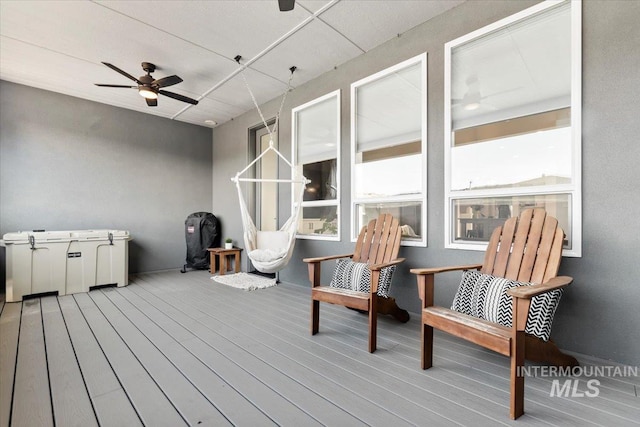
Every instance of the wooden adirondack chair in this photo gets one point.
(378, 245)
(526, 249)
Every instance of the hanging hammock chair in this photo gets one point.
(270, 251)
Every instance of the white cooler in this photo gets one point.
(65, 261)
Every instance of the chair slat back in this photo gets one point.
(526, 248)
(379, 241)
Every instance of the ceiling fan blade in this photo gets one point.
(124, 73)
(166, 81)
(286, 5)
(178, 97)
(152, 102)
(105, 85)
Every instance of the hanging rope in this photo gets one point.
(298, 179)
(273, 130)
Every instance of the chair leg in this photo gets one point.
(517, 379)
(426, 360)
(373, 324)
(315, 316)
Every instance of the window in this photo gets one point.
(388, 146)
(316, 142)
(512, 124)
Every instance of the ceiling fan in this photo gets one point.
(148, 87)
(473, 98)
(286, 5)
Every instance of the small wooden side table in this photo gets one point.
(223, 254)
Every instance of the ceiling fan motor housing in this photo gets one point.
(146, 80)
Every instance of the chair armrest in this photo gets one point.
(386, 264)
(426, 280)
(529, 292)
(326, 258)
(421, 271)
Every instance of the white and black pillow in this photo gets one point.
(485, 296)
(356, 276)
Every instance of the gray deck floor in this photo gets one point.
(176, 349)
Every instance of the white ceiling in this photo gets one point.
(59, 46)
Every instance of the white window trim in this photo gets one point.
(294, 156)
(575, 188)
(355, 230)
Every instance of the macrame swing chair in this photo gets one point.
(270, 251)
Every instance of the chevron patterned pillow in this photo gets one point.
(357, 277)
(485, 296)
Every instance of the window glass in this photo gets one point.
(512, 126)
(409, 215)
(519, 69)
(404, 176)
(389, 109)
(324, 180)
(319, 221)
(316, 131)
(512, 158)
(388, 130)
(475, 219)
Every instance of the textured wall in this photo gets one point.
(67, 163)
(599, 312)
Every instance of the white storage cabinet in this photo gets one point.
(66, 262)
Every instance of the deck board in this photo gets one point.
(236, 409)
(9, 332)
(277, 395)
(351, 367)
(102, 385)
(180, 349)
(31, 401)
(185, 398)
(343, 387)
(150, 401)
(69, 395)
(257, 356)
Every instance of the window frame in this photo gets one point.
(574, 189)
(294, 155)
(420, 198)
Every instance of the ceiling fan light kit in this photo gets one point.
(472, 106)
(147, 93)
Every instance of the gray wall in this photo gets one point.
(599, 314)
(68, 163)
